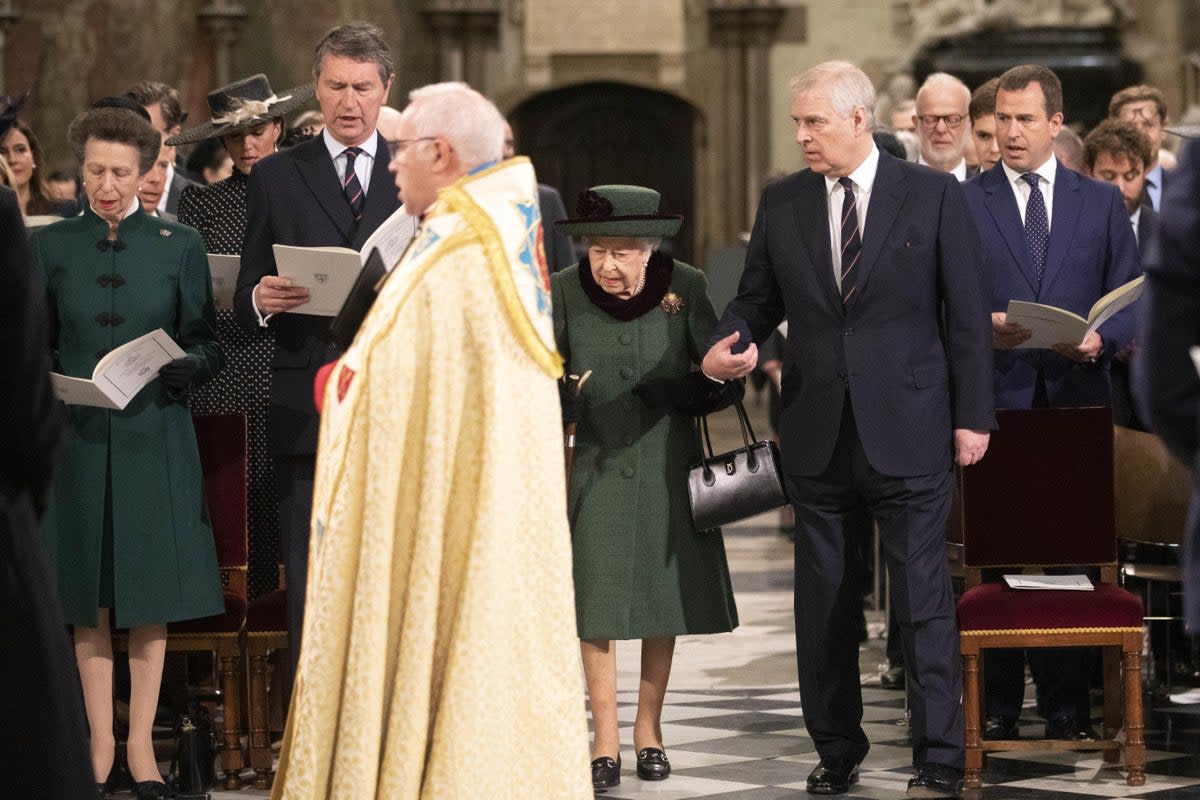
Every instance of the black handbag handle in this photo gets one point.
(703, 439)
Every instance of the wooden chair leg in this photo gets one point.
(973, 777)
(260, 734)
(231, 751)
(1113, 683)
(1135, 742)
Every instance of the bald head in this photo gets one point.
(389, 123)
(943, 102)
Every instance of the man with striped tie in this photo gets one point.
(333, 190)
(875, 265)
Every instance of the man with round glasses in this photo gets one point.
(941, 120)
(1146, 108)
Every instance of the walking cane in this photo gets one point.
(574, 384)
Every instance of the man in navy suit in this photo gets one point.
(335, 190)
(1052, 236)
(875, 265)
(1166, 379)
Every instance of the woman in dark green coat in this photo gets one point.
(126, 524)
(638, 321)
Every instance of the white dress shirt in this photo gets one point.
(1154, 182)
(1134, 219)
(863, 179)
(161, 208)
(1047, 172)
(363, 163)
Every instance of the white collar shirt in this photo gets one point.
(1047, 173)
(1134, 219)
(863, 178)
(162, 201)
(363, 163)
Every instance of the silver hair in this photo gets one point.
(849, 87)
(470, 122)
(945, 79)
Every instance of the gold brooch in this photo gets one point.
(671, 303)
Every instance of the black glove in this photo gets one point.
(693, 394)
(177, 375)
(572, 403)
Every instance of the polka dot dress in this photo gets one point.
(219, 213)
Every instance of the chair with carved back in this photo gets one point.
(1042, 497)
(222, 441)
(266, 633)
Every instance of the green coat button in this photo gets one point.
(625, 338)
(626, 373)
(627, 472)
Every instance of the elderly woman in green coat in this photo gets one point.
(638, 321)
(126, 524)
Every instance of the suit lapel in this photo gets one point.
(887, 196)
(812, 218)
(1062, 225)
(381, 195)
(1002, 205)
(316, 170)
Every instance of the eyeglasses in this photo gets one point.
(396, 146)
(930, 121)
(1130, 113)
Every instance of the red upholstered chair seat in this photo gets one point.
(228, 622)
(995, 606)
(268, 613)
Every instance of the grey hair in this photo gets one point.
(360, 41)
(945, 79)
(849, 87)
(472, 125)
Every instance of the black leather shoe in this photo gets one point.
(893, 678)
(833, 776)
(606, 772)
(935, 780)
(1000, 726)
(1068, 729)
(653, 764)
(100, 791)
(152, 790)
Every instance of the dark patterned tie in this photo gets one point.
(851, 241)
(1146, 196)
(1037, 226)
(351, 186)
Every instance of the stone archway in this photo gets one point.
(593, 133)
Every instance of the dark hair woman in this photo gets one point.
(23, 153)
(126, 524)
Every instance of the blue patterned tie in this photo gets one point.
(851, 241)
(1037, 226)
(351, 186)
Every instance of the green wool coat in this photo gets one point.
(641, 569)
(131, 475)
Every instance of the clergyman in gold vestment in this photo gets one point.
(440, 658)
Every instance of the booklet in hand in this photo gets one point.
(121, 374)
(1051, 326)
(224, 272)
(366, 288)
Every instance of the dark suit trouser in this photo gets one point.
(294, 479)
(912, 514)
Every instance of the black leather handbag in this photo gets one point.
(736, 485)
(194, 769)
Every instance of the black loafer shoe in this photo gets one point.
(1068, 729)
(935, 780)
(606, 772)
(653, 764)
(1000, 726)
(833, 776)
(152, 790)
(893, 678)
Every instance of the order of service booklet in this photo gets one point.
(329, 272)
(1076, 583)
(224, 272)
(121, 374)
(1051, 326)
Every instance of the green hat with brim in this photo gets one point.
(620, 210)
(244, 104)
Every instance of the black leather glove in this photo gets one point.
(572, 403)
(177, 375)
(692, 394)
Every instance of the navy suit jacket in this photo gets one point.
(1091, 252)
(1147, 233)
(1165, 378)
(911, 351)
(294, 197)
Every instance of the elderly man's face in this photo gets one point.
(350, 94)
(412, 162)
(942, 125)
(833, 145)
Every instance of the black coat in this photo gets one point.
(48, 745)
(295, 198)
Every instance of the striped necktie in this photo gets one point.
(350, 185)
(851, 241)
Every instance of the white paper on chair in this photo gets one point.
(1075, 583)
(1195, 354)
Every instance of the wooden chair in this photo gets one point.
(1043, 497)
(266, 632)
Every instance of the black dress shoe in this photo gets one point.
(606, 772)
(893, 678)
(152, 790)
(653, 764)
(101, 792)
(935, 780)
(833, 776)
(1000, 726)
(1068, 729)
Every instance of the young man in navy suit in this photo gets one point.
(875, 264)
(335, 190)
(1052, 236)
